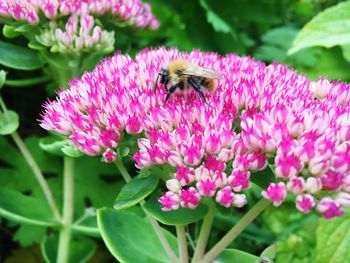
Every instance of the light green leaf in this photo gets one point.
(234, 255)
(71, 150)
(9, 31)
(135, 191)
(269, 252)
(27, 235)
(18, 57)
(53, 145)
(2, 78)
(328, 29)
(9, 122)
(25, 209)
(87, 224)
(333, 240)
(181, 216)
(130, 238)
(80, 250)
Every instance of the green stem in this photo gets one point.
(68, 209)
(236, 230)
(182, 243)
(38, 174)
(204, 235)
(27, 82)
(120, 165)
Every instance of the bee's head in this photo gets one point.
(164, 74)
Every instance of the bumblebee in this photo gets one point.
(181, 74)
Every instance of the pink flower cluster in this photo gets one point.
(134, 11)
(70, 25)
(260, 116)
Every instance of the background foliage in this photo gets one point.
(263, 29)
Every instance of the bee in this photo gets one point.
(181, 74)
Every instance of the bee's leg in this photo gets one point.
(171, 91)
(197, 88)
(166, 83)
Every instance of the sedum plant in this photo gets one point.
(266, 125)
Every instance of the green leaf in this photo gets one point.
(9, 122)
(333, 240)
(9, 31)
(269, 252)
(234, 255)
(130, 238)
(18, 57)
(87, 225)
(25, 209)
(328, 29)
(135, 191)
(53, 145)
(71, 150)
(346, 51)
(27, 235)
(80, 250)
(25, 28)
(123, 151)
(215, 20)
(2, 78)
(181, 216)
(263, 178)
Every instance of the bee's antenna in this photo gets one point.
(155, 84)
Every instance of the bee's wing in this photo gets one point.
(201, 72)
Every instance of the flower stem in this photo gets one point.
(120, 165)
(181, 238)
(68, 209)
(235, 231)
(204, 235)
(26, 82)
(38, 174)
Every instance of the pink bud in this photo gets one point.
(189, 198)
(206, 187)
(329, 208)
(225, 196)
(313, 185)
(173, 185)
(296, 185)
(239, 180)
(276, 193)
(240, 200)
(305, 203)
(169, 201)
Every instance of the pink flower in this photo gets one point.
(276, 193)
(259, 114)
(169, 201)
(189, 198)
(329, 208)
(305, 203)
(225, 196)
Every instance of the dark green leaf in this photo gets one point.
(328, 29)
(263, 178)
(80, 250)
(333, 240)
(234, 255)
(131, 238)
(18, 57)
(135, 191)
(9, 122)
(217, 22)
(27, 235)
(181, 216)
(25, 209)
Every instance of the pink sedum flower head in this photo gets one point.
(259, 116)
(70, 27)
